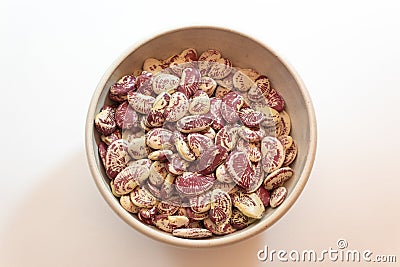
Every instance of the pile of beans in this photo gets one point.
(195, 146)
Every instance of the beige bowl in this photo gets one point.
(246, 53)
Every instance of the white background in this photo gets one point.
(54, 53)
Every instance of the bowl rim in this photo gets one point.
(166, 237)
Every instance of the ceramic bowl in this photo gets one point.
(243, 51)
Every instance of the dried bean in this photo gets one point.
(147, 215)
(123, 86)
(192, 233)
(290, 154)
(199, 104)
(285, 123)
(215, 114)
(222, 229)
(168, 187)
(226, 82)
(188, 55)
(127, 179)
(177, 165)
(177, 107)
(277, 196)
(227, 137)
(116, 157)
(208, 85)
(104, 121)
(192, 184)
(221, 91)
(137, 148)
(239, 220)
(275, 100)
(210, 160)
(193, 123)
(160, 155)
(277, 178)
(158, 172)
(199, 143)
(189, 81)
(165, 83)
(286, 141)
(221, 207)
(143, 83)
(125, 116)
(241, 81)
(222, 175)
(182, 147)
(142, 198)
(159, 138)
(102, 149)
(152, 65)
(169, 223)
(108, 139)
(239, 167)
(273, 154)
(127, 204)
(249, 204)
(220, 69)
(113, 189)
(250, 117)
(166, 208)
(206, 60)
(195, 216)
(140, 102)
(200, 203)
(251, 135)
(141, 162)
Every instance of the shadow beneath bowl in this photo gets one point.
(64, 222)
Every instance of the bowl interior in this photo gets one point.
(245, 53)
